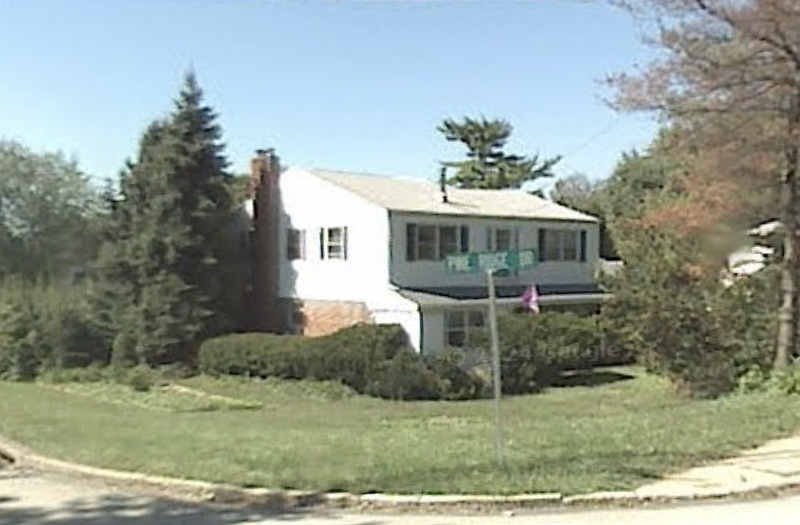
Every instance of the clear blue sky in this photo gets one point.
(337, 84)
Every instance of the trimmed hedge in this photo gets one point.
(376, 360)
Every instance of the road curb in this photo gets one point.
(292, 500)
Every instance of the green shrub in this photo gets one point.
(90, 374)
(536, 349)
(176, 371)
(141, 378)
(671, 310)
(349, 356)
(404, 377)
(785, 381)
(68, 332)
(43, 328)
(352, 355)
(457, 380)
(372, 359)
(748, 311)
(21, 350)
(123, 351)
(253, 355)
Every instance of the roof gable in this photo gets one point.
(420, 196)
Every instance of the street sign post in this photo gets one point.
(492, 263)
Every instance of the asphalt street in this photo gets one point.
(31, 498)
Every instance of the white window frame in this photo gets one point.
(295, 242)
(327, 243)
(467, 322)
(579, 237)
(439, 253)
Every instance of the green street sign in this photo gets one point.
(482, 262)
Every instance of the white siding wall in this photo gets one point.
(432, 273)
(310, 204)
(390, 307)
(409, 320)
(432, 331)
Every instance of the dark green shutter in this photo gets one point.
(345, 243)
(411, 242)
(464, 239)
(541, 234)
(582, 255)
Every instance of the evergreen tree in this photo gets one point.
(165, 262)
(488, 166)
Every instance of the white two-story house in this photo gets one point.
(365, 248)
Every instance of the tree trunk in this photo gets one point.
(788, 314)
(787, 323)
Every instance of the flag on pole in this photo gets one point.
(530, 299)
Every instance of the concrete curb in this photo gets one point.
(290, 500)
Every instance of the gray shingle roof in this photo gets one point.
(420, 196)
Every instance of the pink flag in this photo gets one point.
(530, 299)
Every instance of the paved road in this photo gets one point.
(32, 499)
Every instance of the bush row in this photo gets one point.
(378, 361)
(375, 360)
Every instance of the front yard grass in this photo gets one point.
(169, 398)
(319, 436)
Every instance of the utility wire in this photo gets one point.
(591, 140)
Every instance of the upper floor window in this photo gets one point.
(333, 243)
(458, 324)
(428, 242)
(295, 244)
(501, 239)
(562, 245)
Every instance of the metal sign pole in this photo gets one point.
(496, 376)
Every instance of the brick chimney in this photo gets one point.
(265, 254)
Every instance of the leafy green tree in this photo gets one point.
(47, 214)
(487, 165)
(166, 262)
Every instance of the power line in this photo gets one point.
(592, 139)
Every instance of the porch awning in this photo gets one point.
(506, 294)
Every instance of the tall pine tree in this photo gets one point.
(166, 263)
(488, 166)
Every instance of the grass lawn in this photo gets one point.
(170, 398)
(572, 439)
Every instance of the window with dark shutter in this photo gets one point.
(541, 234)
(411, 242)
(449, 242)
(333, 243)
(429, 242)
(295, 244)
(583, 246)
(464, 239)
(345, 243)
